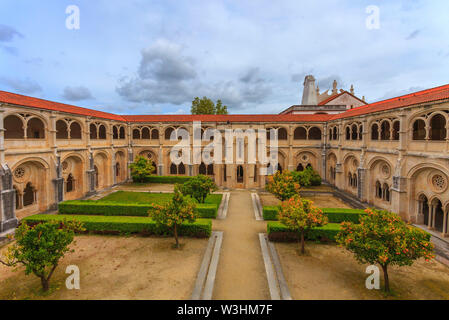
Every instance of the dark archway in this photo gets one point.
(314, 133)
(438, 127)
(75, 130)
(13, 126)
(29, 196)
(240, 174)
(35, 129)
(61, 130)
(419, 130)
(300, 133)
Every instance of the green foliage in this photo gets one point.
(283, 185)
(199, 187)
(168, 179)
(308, 177)
(201, 228)
(207, 106)
(40, 248)
(174, 213)
(335, 215)
(301, 215)
(279, 232)
(141, 169)
(383, 237)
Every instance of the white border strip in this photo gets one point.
(256, 206)
(271, 276)
(223, 209)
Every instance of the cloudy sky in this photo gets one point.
(154, 57)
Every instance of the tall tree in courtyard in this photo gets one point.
(207, 106)
(382, 237)
(141, 169)
(174, 213)
(199, 187)
(283, 185)
(300, 215)
(40, 248)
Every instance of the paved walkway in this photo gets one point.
(241, 271)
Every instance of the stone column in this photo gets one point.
(114, 168)
(160, 166)
(430, 220)
(58, 183)
(91, 175)
(361, 175)
(445, 223)
(8, 220)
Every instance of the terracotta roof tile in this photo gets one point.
(17, 99)
(428, 95)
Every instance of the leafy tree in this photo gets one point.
(141, 169)
(174, 213)
(207, 106)
(383, 237)
(40, 248)
(301, 215)
(283, 185)
(308, 177)
(199, 187)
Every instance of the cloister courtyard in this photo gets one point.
(147, 267)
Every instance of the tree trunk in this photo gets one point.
(386, 280)
(45, 284)
(176, 235)
(302, 242)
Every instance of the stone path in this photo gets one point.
(241, 271)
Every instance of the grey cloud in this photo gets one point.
(25, 86)
(8, 33)
(10, 50)
(77, 93)
(397, 93)
(326, 83)
(413, 35)
(165, 75)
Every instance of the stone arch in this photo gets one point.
(145, 133)
(62, 130)
(35, 128)
(314, 133)
(122, 134)
(73, 165)
(419, 129)
(303, 158)
(14, 127)
(93, 131)
(101, 161)
(75, 130)
(375, 131)
(120, 167)
(300, 133)
(102, 132)
(438, 127)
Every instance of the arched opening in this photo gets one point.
(350, 179)
(18, 200)
(122, 133)
(13, 126)
(439, 215)
(299, 167)
(255, 173)
(396, 128)
(93, 131)
(354, 180)
(96, 176)
(378, 190)
(181, 168)
(136, 134)
(354, 132)
(117, 169)
(348, 133)
(69, 186)
(155, 167)
(75, 130)
(330, 134)
(385, 130)
(173, 169)
(375, 132)
(146, 133)
(210, 169)
(202, 169)
(423, 206)
(386, 192)
(155, 134)
(309, 166)
(29, 195)
(102, 132)
(438, 127)
(35, 129)
(168, 133)
(300, 133)
(419, 130)
(114, 132)
(239, 174)
(361, 132)
(335, 133)
(61, 130)
(314, 133)
(282, 134)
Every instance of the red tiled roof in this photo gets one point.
(230, 118)
(327, 100)
(17, 99)
(428, 95)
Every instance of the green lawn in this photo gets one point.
(146, 197)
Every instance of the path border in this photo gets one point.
(223, 208)
(275, 277)
(257, 207)
(204, 284)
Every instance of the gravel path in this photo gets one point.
(241, 272)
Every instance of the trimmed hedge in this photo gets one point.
(201, 228)
(168, 179)
(109, 208)
(278, 232)
(335, 215)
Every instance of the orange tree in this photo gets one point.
(173, 213)
(141, 169)
(301, 215)
(383, 237)
(283, 185)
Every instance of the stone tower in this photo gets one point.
(309, 96)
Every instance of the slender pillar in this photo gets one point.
(8, 220)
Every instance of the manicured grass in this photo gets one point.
(147, 197)
(201, 228)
